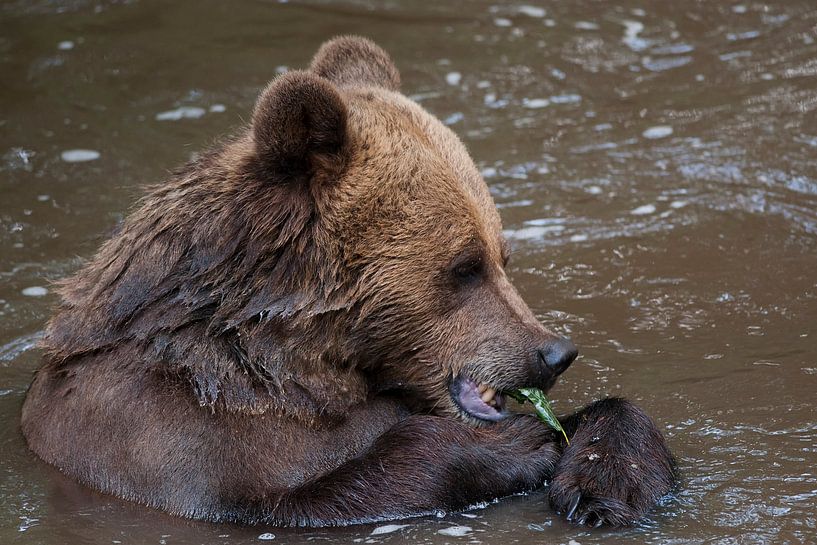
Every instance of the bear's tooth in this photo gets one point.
(481, 388)
(488, 395)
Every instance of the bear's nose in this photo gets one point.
(557, 355)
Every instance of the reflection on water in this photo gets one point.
(653, 164)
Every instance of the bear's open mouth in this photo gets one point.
(478, 400)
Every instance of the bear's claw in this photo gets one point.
(574, 503)
(586, 510)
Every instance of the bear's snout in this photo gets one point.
(556, 355)
(549, 360)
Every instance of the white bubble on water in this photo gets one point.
(534, 232)
(735, 55)
(388, 529)
(737, 36)
(35, 291)
(535, 103)
(218, 108)
(79, 155)
(455, 531)
(586, 25)
(65, 45)
(456, 117)
(659, 131)
(531, 11)
(570, 98)
(502, 22)
(266, 536)
(664, 63)
(678, 204)
(631, 31)
(183, 112)
(453, 78)
(643, 210)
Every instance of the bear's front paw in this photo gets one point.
(524, 452)
(616, 468)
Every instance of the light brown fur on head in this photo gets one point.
(344, 244)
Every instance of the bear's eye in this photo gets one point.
(469, 270)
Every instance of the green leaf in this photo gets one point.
(541, 404)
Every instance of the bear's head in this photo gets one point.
(345, 244)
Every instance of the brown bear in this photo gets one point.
(311, 325)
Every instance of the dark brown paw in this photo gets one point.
(526, 451)
(586, 510)
(616, 468)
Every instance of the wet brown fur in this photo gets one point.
(271, 334)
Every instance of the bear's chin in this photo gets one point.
(471, 402)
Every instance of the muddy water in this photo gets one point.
(655, 169)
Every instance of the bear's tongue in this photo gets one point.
(474, 400)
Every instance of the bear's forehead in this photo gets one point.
(412, 146)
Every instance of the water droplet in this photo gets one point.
(748, 35)
(631, 31)
(659, 131)
(586, 25)
(388, 529)
(453, 78)
(643, 210)
(531, 11)
(456, 117)
(566, 99)
(455, 531)
(79, 155)
(183, 112)
(35, 291)
(534, 103)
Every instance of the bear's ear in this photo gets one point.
(299, 123)
(351, 60)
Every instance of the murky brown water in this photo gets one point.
(655, 167)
